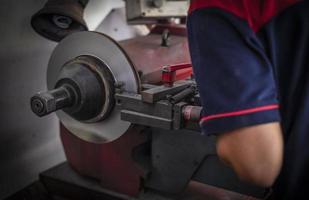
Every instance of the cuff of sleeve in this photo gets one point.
(225, 122)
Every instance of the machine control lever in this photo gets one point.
(169, 73)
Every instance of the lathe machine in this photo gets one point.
(129, 114)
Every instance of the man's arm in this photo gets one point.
(255, 153)
(237, 86)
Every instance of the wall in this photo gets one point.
(28, 144)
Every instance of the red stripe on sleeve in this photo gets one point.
(239, 113)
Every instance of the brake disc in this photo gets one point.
(114, 57)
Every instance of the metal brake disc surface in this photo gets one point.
(108, 51)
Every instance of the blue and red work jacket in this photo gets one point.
(251, 63)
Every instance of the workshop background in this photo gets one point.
(120, 104)
(29, 144)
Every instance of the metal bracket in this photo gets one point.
(158, 93)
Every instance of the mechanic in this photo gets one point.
(251, 64)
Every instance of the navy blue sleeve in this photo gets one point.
(234, 76)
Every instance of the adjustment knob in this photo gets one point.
(158, 3)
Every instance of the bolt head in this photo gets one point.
(43, 103)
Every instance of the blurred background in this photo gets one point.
(29, 144)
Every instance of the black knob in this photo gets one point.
(158, 3)
(44, 103)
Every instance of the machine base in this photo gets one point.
(63, 183)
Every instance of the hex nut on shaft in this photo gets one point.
(44, 103)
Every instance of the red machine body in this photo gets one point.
(112, 163)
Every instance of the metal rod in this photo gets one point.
(182, 95)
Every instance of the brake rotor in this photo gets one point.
(114, 57)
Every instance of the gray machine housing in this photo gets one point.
(149, 11)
